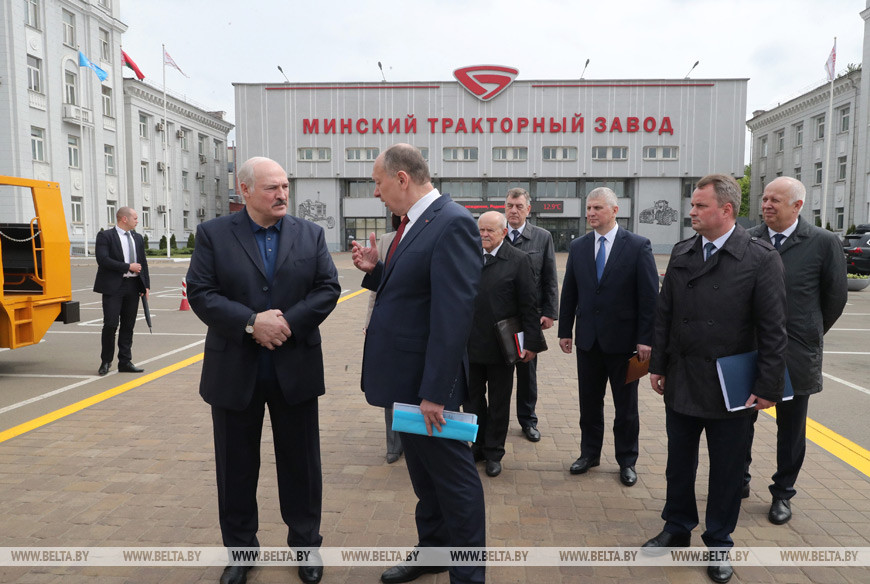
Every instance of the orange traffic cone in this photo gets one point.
(184, 303)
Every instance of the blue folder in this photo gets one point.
(458, 426)
(737, 378)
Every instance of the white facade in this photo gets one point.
(649, 140)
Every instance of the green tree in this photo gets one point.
(744, 189)
(173, 242)
(163, 242)
(190, 241)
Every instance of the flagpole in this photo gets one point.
(82, 156)
(826, 170)
(165, 172)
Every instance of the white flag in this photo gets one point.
(831, 63)
(167, 60)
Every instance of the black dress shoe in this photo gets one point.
(311, 574)
(720, 571)
(583, 464)
(532, 434)
(745, 493)
(104, 368)
(780, 511)
(235, 575)
(493, 468)
(393, 457)
(129, 368)
(657, 545)
(408, 572)
(627, 476)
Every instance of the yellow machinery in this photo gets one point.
(35, 287)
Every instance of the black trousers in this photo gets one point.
(527, 393)
(727, 439)
(791, 445)
(594, 369)
(450, 508)
(296, 434)
(495, 381)
(120, 308)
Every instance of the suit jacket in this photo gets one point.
(618, 311)
(111, 266)
(507, 289)
(538, 243)
(732, 303)
(416, 339)
(226, 283)
(816, 292)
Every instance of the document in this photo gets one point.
(636, 369)
(737, 377)
(458, 426)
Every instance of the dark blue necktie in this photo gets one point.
(777, 240)
(515, 235)
(709, 248)
(601, 256)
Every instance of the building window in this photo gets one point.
(72, 150)
(143, 125)
(817, 218)
(460, 154)
(69, 29)
(185, 220)
(218, 146)
(354, 154)
(185, 185)
(820, 127)
(797, 172)
(360, 189)
(841, 168)
(314, 154)
(762, 146)
(109, 158)
(798, 135)
(145, 172)
(462, 189)
(425, 152)
(844, 119)
(617, 186)
(498, 189)
(556, 189)
(146, 217)
(510, 153)
(184, 135)
(32, 18)
(609, 153)
(107, 101)
(75, 209)
(201, 182)
(69, 88)
(111, 211)
(839, 212)
(818, 173)
(107, 4)
(560, 153)
(37, 143)
(105, 46)
(34, 74)
(660, 152)
(202, 145)
(779, 137)
(358, 228)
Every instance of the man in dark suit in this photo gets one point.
(723, 294)
(538, 243)
(610, 287)
(122, 277)
(415, 349)
(507, 289)
(815, 283)
(263, 281)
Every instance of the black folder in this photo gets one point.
(737, 377)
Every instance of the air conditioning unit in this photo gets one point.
(161, 166)
(179, 134)
(200, 176)
(202, 159)
(161, 208)
(160, 126)
(200, 213)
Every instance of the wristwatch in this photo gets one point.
(249, 328)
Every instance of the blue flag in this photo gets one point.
(85, 62)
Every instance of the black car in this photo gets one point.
(857, 248)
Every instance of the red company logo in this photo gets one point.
(485, 81)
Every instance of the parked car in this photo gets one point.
(857, 248)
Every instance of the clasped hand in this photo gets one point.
(271, 329)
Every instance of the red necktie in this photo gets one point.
(396, 239)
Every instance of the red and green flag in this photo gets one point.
(128, 62)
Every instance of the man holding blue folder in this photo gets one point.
(723, 294)
(815, 282)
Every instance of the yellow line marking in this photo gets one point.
(839, 446)
(109, 393)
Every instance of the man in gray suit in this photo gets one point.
(815, 282)
(538, 243)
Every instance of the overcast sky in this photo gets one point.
(780, 45)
